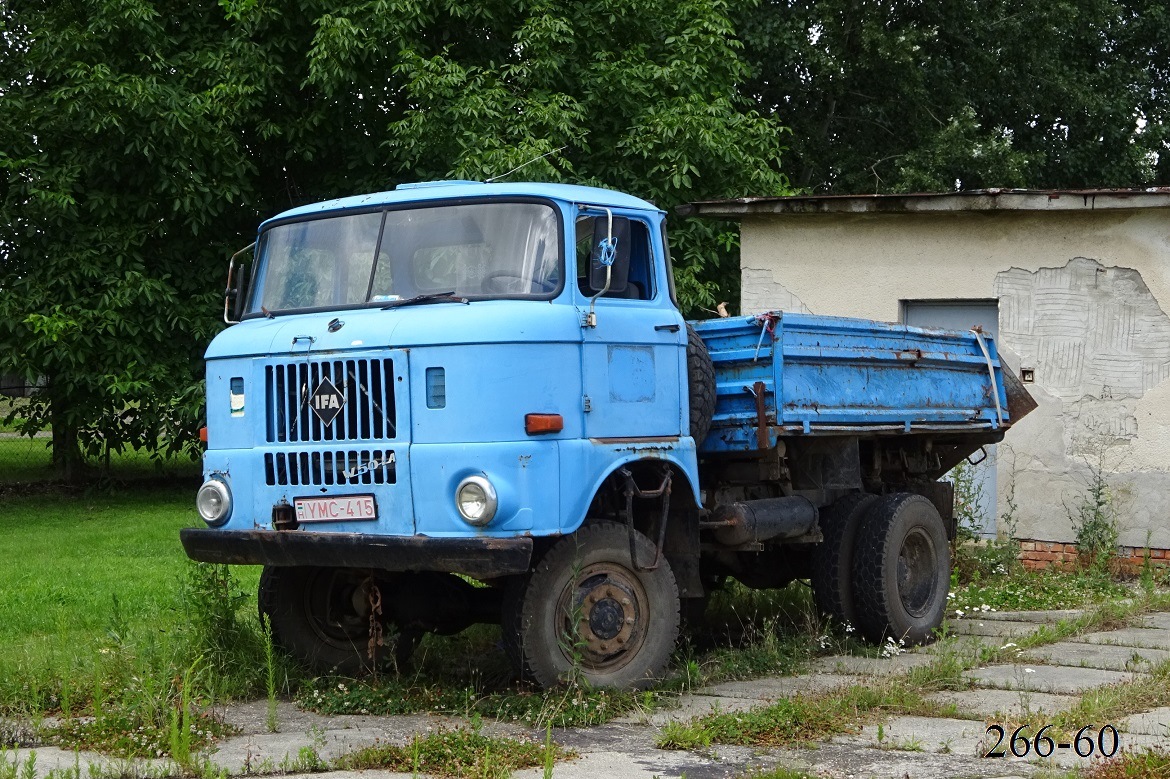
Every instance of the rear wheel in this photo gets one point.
(901, 570)
(832, 579)
(587, 610)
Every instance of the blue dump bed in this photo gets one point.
(803, 375)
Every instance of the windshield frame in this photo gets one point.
(556, 206)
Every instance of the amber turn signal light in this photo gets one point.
(203, 434)
(535, 424)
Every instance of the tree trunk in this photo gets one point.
(66, 453)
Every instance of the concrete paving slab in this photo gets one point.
(1150, 723)
(1160, 620)
(973, 739)
(330, 737)
(252, 717)
(626, 765)
(1045, 678)
(850, 760)
(964, 645)
(775, 688)
(977, 626)
(1040, 617)
(1113, 658)
(271, 752)
(855, 665)
(689, 707)
(1068, 758)
(920, 734)
(1151, 638)
(990, 704)
(49, 759)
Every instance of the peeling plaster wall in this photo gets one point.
(1083, 299)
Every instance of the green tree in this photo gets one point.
(122, 164)
(140, 142)
(899, 95)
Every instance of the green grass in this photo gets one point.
(1149, 763)
(30, 461)
(1025, 590)
(98, 621)
(454, 753)
(25, 460)
(74, 562)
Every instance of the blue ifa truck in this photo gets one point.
(460, 403)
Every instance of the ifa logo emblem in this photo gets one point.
(326, 401)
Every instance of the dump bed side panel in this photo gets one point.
(817, 375)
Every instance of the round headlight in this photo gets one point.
(214, 502)
(475, 497)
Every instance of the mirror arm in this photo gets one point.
(591, 317)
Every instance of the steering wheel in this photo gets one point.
(502, 282)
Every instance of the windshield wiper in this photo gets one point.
(430, 297)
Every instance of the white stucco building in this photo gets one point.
(1076, 285)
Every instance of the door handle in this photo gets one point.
(670, 328)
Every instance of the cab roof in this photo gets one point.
(459, 190)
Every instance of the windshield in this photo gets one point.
(482, 250)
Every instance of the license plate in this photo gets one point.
(343, 508)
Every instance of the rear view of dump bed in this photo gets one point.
(782, 374)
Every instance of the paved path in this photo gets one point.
(1040, 681)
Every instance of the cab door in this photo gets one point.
(633, 356)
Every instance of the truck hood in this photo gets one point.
(433, 324)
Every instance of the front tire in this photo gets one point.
(320, 616)
(587, 610)
(902, 570)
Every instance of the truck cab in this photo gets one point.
(438, 380)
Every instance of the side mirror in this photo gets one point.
(236, 292)
(610, 255)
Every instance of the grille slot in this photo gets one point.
(367, 386)
(323, 469)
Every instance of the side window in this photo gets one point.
(641, 278)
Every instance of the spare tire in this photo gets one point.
(701, 385)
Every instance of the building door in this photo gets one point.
(964, 315)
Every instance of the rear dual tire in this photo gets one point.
(884, 566)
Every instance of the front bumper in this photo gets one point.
(480, 557)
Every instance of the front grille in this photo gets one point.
(367, 413)
(323, 469)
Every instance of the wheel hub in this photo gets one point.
(916, 579)
(605, 618)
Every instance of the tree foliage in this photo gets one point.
(141, 141)
(120, 160)
(904, 95)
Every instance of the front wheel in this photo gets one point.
(320, 616)
(902, 570)
(588, 610)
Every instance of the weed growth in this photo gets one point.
(1094, 518)
(1027, 590)
(977, 558)
(1150, 763)
(465, 752)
